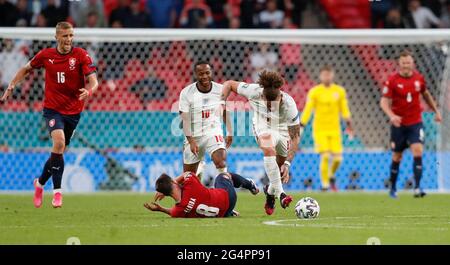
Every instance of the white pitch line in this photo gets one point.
(409, 216)
(306, 223)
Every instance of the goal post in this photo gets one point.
(129, 132)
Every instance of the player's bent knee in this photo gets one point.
(397, 157)
(265, 141)
(223, 180)
(220, 164)
(325, 155)
(416, 150)
(337, 157)
(268, 151)
(225, 175)
(219, 158)
(59, 145)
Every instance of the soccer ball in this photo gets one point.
(307, 208)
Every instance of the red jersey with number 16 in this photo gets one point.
(64, 77)
(405, 94)
(199, 201)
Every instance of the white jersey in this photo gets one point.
(204, 109)
(280, 115)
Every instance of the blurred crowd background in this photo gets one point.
(289, 14)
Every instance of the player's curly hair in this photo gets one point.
(164, 184)
(271, 83)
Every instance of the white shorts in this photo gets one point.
(206, 144)
(281, 142)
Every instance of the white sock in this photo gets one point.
(273, 172)
(57, 191)
(200, 168)
(222, 170)
(39, 184)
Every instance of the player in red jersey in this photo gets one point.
(67, 69)
(195, 200)
(401, 102)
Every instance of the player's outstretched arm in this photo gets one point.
(19, 77)
(432, 104)
(294, 135)
(155, 207)
(229, 86)
(385, 104)
(90, 88)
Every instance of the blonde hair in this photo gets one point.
(63, 25)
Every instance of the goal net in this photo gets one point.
(129, 132)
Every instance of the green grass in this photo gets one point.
(120, 218)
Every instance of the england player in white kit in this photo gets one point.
(201, 109)
(276, 126)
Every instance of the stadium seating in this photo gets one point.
(348, 13)
(14, 106)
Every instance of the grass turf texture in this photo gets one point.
(120, 218)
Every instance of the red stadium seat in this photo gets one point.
(377, 67)
(38, 106)
(134, 71)
(348, 13)
(110, 5)
(162, 105)
(123, 101)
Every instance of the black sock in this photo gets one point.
(46, 172)
(57, 170)
(394, 174)
(417, 171)
(241, 182)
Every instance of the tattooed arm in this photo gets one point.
(294, 135)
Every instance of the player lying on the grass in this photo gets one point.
(195, 200)
(276, 126)
(70, 78)
(401, 102)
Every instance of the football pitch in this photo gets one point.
(120, 218)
